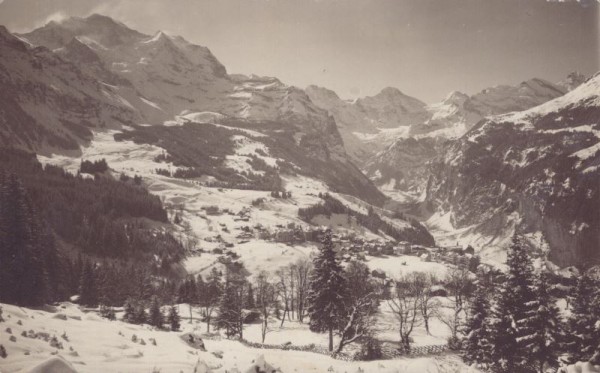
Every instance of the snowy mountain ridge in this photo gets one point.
(534, 172)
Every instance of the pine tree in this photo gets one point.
(511, 327)
(88, 290)
(542, 346)
(477, 344)
(596, 315)
(581, 326)
(140, 316)
(129, 311)
(22, 271)
(250, 304)
(155, 317)
(327, 293)
(230, 306)
(173, 319)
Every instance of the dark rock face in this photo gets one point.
(49, 103)
(65, 79)
(405, 164)
(529, 172)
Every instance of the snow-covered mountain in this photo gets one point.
(47, 103)
(368, 124)
(535, 172)
(123, 77)
(170, 75)
(400, 166)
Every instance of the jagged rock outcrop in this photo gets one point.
(535, 172)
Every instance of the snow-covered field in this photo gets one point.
(98, 345)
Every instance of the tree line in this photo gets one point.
(52, 222)
(372, 221)
(522, 329)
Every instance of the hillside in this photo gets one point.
(371, 125)
(67, 79)
(400, 169)
(534, 172)
(48, 104)
(53, 224)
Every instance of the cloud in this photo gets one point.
(56, 17)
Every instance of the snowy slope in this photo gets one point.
(49, 104)
(534, 171)
(400, 169)
(190, 198)
(95, 345)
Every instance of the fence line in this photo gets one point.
(389, 352)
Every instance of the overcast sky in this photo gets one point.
(426, 48)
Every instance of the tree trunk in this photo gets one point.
(426, 320)
(208, 324)
(190, 313)
(330, 339)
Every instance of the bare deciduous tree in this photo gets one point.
(428, 303)
(452, 313)
(301, 273)
(265, 297)
(405, 303)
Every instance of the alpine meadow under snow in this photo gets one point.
(159, 214)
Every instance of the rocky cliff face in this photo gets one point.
(47, 103)
(94, 72)
(448, 121)
(534, 172)
(373, 124)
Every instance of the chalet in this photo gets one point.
(264, 235)
(454, 249)
(284, 235)
(402, 248)
(211, 210)
(245, 235)
(418, 250)
(438, 291)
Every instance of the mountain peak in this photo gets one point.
(572, 81)
(159, 38)
(391, 91)
(102, 29)
(314, 90)
(456, 97)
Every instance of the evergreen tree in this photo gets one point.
(129, 311)
(140, 316)
(155, 318)
(327, 292)
(477, 344)
(22, 270)
(511, 326)
(542, 346)
(88, 290)
(581, 327)
(596, 315)
(173, 319)
(250, 304)
(230, 316)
